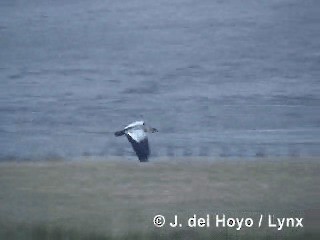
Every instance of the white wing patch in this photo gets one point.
(135, 124)
(137, 134)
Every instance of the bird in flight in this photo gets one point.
(136, 133)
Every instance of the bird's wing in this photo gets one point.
(139, 142)
(134, 124)
(137, 134)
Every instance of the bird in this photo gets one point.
(136, 133)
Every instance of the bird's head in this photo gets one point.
(154, 130)
(150, 129)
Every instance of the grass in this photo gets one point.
(117, 199)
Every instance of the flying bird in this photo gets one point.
(136, 133)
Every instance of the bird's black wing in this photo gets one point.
(119, 133)
(141, 148)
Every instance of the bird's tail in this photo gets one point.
(119, 133)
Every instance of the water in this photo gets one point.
(216, 78)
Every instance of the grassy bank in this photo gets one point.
(118, 199)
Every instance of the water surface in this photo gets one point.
(217, 78)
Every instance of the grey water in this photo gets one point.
(216, 78)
